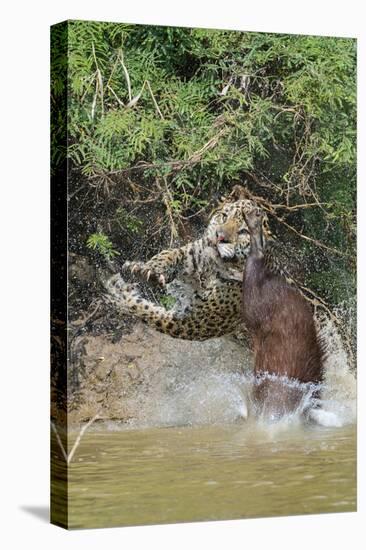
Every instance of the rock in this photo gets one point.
(125, 380)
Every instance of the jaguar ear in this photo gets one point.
(238, 193)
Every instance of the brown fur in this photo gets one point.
(281, 323)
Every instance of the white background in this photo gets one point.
(24, 253)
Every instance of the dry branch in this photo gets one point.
(127, 76)
(309, 239)
(154, 100)
(86, 318)
(173, 164)
(99, 80)
(240, 191)
(167, 200)
(68, 458)
(64, 453)
(78, 439)
(116, 96)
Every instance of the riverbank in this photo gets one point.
(124, 381)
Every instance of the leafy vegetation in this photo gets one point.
(102, 244)
(167, 301)
(169, 118)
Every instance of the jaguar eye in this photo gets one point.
(223, 217)
(243, 231)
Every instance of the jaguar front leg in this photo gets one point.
(160, 268)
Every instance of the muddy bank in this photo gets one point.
(122, 381)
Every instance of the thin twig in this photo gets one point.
(268, 184)
(68, 458)
(314, 241)
(59, 441)
(90, 79)
(115, 95)
(112, 72)
(154, 100)
(195, 214)
(145, 166)
(82, 431)
(71, 195)
(167, 199)
(269, 208)
(295, 207)
(135, 99)
(99, 79)
(127, 76)
(94, 100)
(287, 110)
(174, 164)
(142, 201)
(81, 322)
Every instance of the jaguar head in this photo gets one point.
(228, 231)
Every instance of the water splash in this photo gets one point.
(190, 395)
(339, 392)
(204, 398)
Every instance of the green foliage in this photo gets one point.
(167, 301)
(128, 221)
(101, 243)
(221, 104)
(290, 81)
(59, 67)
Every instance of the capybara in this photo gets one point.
(287, 351)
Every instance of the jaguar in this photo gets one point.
(203, 277)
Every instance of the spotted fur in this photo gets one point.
(203, 276)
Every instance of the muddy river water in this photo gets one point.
(211, 472)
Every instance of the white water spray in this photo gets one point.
(194, 396)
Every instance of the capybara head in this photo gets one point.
(254, 219)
